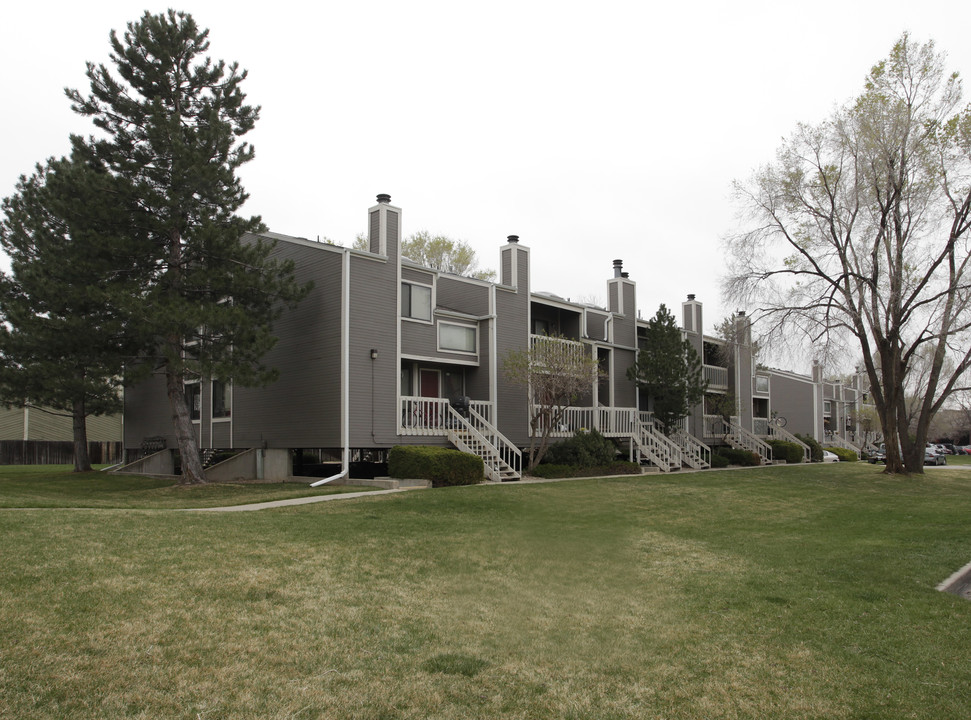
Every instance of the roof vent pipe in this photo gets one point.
(625, 275)
(618, 268)
(513, 238)
(384, 198)
(691, 296)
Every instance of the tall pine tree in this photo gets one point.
(71, 233)
(172, 119)
(669, 370)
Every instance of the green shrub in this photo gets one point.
(844, 454)
(815, 448)
(739, 457)
(790, 452)
(719, 461)
(443, 466)
(618, 467)
(585, 448)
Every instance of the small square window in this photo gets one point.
(416, 301)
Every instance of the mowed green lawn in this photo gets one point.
(791, 592)
(55, 486)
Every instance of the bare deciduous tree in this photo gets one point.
(860, 231)
(556, 372)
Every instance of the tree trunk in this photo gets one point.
(192, 472)
(82, 461)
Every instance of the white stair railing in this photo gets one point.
(837, 441)
(695, 453)
(467, 438)
(508, 453)
(781, 433)
(740, 437)
(658, 449)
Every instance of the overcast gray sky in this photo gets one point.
(594, 130)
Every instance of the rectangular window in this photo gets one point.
(761, 384)
(456, 337)
(416, 301)
(193, 398)
(222, 399)
(827, 408)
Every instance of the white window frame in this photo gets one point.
(228, 401)
(473, 328)
(431, 302)
(198, 384)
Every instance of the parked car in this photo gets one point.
(932, 457)
(831, 457)
(878, 456)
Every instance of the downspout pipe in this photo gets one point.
(345, 367)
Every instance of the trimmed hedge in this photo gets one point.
(738, 457)
(816, 450)
(443, 466)
(844, 454)
(788, 451)
(719, 461)
(585, 448)
(619, 467)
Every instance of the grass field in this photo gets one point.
(790, 592)
(35, 486)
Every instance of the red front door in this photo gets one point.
(428, 383)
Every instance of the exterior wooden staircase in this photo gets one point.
(694, 453)
(782, 434)
(651, 445)
(741, 439)
(503, 461)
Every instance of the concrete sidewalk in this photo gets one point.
(297, 501)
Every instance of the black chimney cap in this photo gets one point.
(384, 198)
(625, 274)
(513, 238)
(691, 296)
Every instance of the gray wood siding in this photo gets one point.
(625, 392)
(625, 327)
(456, 294)
(596, 325)
(302, 408)
(394, 234)
(793, 399)
(42, 425)
(11, 424)
(147, 412)
(477, 378)
(222, 435)
(512, 333)
(420, 276)
(374, 411)
(419, 339)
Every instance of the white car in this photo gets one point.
(830, 457)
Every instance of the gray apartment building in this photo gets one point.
(386, 352)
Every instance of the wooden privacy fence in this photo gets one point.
(49, 452)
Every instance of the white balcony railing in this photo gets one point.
(429, 416)
(559, 350)
(717, 377)
(608, 421)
